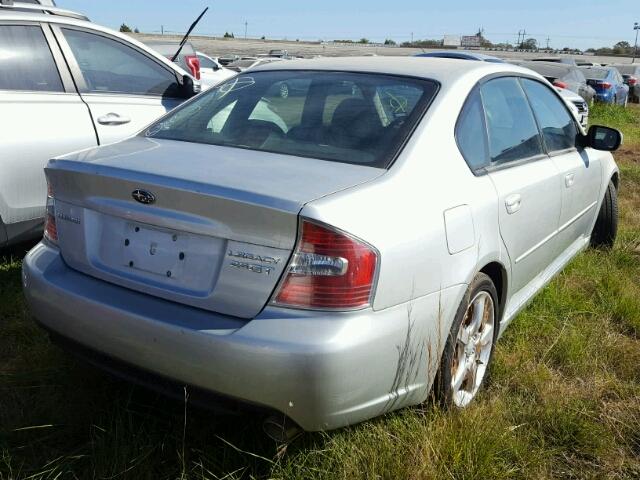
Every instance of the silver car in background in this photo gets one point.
(334, 265)
(68, 84)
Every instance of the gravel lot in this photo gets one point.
(220, 47)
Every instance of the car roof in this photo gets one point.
(7, 14)
(460, 55)
(546, 68)
(443, 70)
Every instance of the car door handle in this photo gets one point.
(569, 180)
(513, 203)
(113, 119)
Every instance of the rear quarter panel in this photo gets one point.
(402, 212)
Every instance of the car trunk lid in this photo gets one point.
(212, 227)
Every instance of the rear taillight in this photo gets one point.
(50, 229)
(604, 85)
(329, 270)
(194, 65)
(632, 81)
(560, 84)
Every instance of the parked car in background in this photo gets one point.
(326, 270)
(68, 84)
(608, 84)
(565, 60)
(187, 58)
(563, 76)
(211, 72)
(247, 63)
(461, 55)
(631, 75)
(227, 59)
(577, 104)
(585, 63)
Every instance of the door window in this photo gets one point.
(513, 133)
(471, 133)
(110, 66)
(556, 123)
(26, 61)
(207, 63)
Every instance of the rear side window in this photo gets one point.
(471, 133)
(207, 63)
(26, 62)
(558, 128)
(109, 66)
(337, 116)
(513, 133)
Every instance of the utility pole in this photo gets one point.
(246, 24)
(411, 37)
(548, 43)
(636, 27)
(161, 29)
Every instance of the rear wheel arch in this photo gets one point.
(498, 275)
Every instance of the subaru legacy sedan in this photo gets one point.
(327, 257)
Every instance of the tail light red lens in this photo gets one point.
(328, 270)
(632, 81)
(50, 228)
(194, 65)
(605, 85)
(560, 84)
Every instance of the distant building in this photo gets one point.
(471, 41)
(452, 41)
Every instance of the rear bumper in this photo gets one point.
(604, 97)
(323, 370)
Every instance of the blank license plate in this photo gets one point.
(154, 251)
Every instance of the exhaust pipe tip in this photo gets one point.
(280, 429)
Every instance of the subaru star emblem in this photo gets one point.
(143, 196)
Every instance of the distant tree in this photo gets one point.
(622, 48)
(262, 37)
(125, 28)
(136, 30)
(363, 40)
(229, 35)
(529, 44)
(423, 44)
(388, 41)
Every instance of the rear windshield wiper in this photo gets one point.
(186, 35)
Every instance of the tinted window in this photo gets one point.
(471, 133)
(513, 133)
(109, 66)
(596, 73)
(26, 62)
(207, 63)
(342, 117)
(556, 123)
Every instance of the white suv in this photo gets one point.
(68, 84)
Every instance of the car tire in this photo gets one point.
(469, 349)
(606, 228)
(284, 91)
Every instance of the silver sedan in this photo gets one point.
(330, 255)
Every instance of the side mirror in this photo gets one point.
(187, 88)
(603, 138)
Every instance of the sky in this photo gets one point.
(576, 24)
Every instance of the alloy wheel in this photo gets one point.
(473, 349)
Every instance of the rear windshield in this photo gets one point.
(627, 69)
(596, 74)
(344, 117)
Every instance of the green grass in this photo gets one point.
(563, 401)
